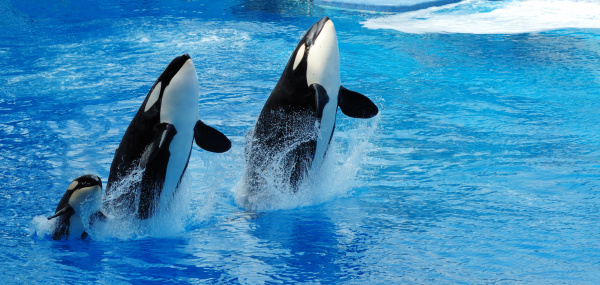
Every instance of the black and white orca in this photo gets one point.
(159, 140)
(296, 124)
(80, 204)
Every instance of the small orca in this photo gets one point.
(159, 141)
(81, 202)
(296, 124)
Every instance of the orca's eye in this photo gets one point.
(84, 183)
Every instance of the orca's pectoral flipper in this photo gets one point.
(356, 105)
(66, 210)
(209, 139)
(164, 133)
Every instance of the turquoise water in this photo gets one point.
(482, 166)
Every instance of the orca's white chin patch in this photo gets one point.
(179, 108)
(186, 73)
(323, 68)
(88, 198)
(323, 63)
(180, 98)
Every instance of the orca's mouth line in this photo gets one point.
(314, 31)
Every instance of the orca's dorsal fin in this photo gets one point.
(356, 105)
(209, 139)
(321, 98)
(164, 133)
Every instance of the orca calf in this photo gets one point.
(158, 142)
(80, 203)
(295, 126)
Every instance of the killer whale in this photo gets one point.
(296, 124)
(80, 203)
(158, 142)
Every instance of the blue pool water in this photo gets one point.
(482, 167)
(384, 6)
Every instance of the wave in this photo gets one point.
(494, 17)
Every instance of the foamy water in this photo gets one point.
(333, 179)
(190, 207)
(121, 224)
(491, 17)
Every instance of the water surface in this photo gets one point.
(482, 166)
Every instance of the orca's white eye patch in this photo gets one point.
(73, 185)
(153, 96)
(299, 55)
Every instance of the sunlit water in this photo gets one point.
(482, 166)
(495, 17)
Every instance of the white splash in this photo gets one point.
(167, 221)
(121, 224)
(334, 179)
(494, 17)
(41, 226)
